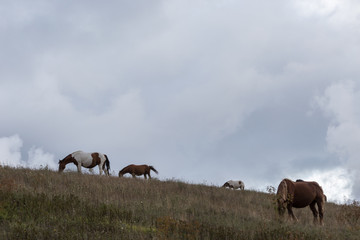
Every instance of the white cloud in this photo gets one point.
(337, 12)
(322, 7)
(10, 154)
(337, 183)
(37, 158)
(340, 102)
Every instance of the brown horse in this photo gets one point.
(300, 194)
(137, 170)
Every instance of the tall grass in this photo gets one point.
(42, 204)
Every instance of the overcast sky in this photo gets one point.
(205, 91)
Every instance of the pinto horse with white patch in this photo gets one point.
(88, 160)
(234, 184)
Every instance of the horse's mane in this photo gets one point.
(282, 190)
(67, 159)
(124, 169)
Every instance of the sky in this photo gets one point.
(205, 91)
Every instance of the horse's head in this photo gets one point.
(61, 165)
(282, 197)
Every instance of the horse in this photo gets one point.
(299, 195)
(234, 184)
(88, 160)
(137, 170)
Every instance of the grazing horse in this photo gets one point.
(88, 160)
(137, 170)
(300, 194)
(234, 184)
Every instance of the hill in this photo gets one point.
(43, 204)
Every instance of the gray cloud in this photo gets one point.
(203, 90)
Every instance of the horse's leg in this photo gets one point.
(133, 174)
(79, 168)
(106, 172)
(149, 175)
(321, 211)
(100, 169)
(91, 170)
(145, 176)
(290, 212)
(315, 212)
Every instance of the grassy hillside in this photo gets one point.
(42, 204)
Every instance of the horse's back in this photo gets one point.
(140, 168)
(305, 193)
(131, 168)
(88, 159)
(135, 169)
(80, 155)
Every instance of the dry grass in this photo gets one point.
(42, 204)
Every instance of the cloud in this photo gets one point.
(340, 103)
(337, 12)
(10, 154)
(224, 85)
(37, 158)
(336, 183)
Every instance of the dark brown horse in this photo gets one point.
(299, 195)
(137, 170)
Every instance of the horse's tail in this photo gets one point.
(324, 198)
(107, 164)
(242, 185)
(152, 168)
